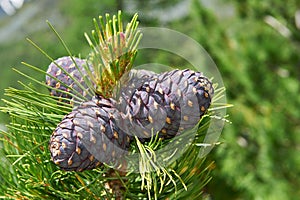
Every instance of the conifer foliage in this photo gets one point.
(94, 123)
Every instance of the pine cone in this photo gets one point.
(167, 103)
(61, 82)
(88, 136)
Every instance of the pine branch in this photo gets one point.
(29, 173)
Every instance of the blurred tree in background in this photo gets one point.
(255, 45)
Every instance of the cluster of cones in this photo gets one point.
(101, 130)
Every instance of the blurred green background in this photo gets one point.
(255, 45)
